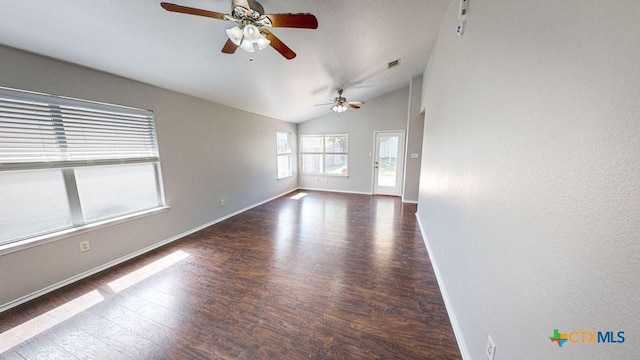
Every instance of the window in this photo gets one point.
(324, 154)
(283, 141)
(65, 163)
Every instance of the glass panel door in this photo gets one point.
(388, 163)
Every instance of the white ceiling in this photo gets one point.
(138, 39)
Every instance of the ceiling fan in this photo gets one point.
(340, 104)
(251, 32)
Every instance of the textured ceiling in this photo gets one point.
(138, 39)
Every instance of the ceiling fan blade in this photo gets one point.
(356, 102)
(301, 21)
(325, 104)
(280, 47)
(192, 11)
(229, 47)
(353, 106)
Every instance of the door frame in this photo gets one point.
(401, 159)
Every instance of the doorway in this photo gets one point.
(388, 163)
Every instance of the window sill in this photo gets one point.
(54, 236)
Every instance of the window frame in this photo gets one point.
(18, 156)
(323, 153)
(286, 153)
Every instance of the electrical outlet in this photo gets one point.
(491, 348)
(222, 203)
(461, 27)
(84, 246)
(463, 9)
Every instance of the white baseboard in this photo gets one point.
(115, 262)
(336, 191)
(457, 331)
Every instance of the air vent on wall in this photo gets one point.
(393, 64)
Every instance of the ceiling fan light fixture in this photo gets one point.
(248, 38)
(253, 46)
(262, 42)
(339, 108)
(251, 33)
(235, 34)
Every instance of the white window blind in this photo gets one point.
(67, 163)
(45, 131)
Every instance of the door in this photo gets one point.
(388, 163)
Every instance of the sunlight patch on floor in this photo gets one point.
(29, 329)
(147, 271)
(298, 196)
(41, 323)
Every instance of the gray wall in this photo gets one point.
(529, 194)
(415, 129)
(386, 112)
(208, 152)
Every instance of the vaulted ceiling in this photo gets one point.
(351, 48)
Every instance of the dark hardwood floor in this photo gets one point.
(327, 276)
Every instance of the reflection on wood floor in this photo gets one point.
(320, 276)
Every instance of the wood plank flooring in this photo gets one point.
(326, 276)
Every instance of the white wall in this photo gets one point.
(386, 112)
(208, 152)
(529, 194)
